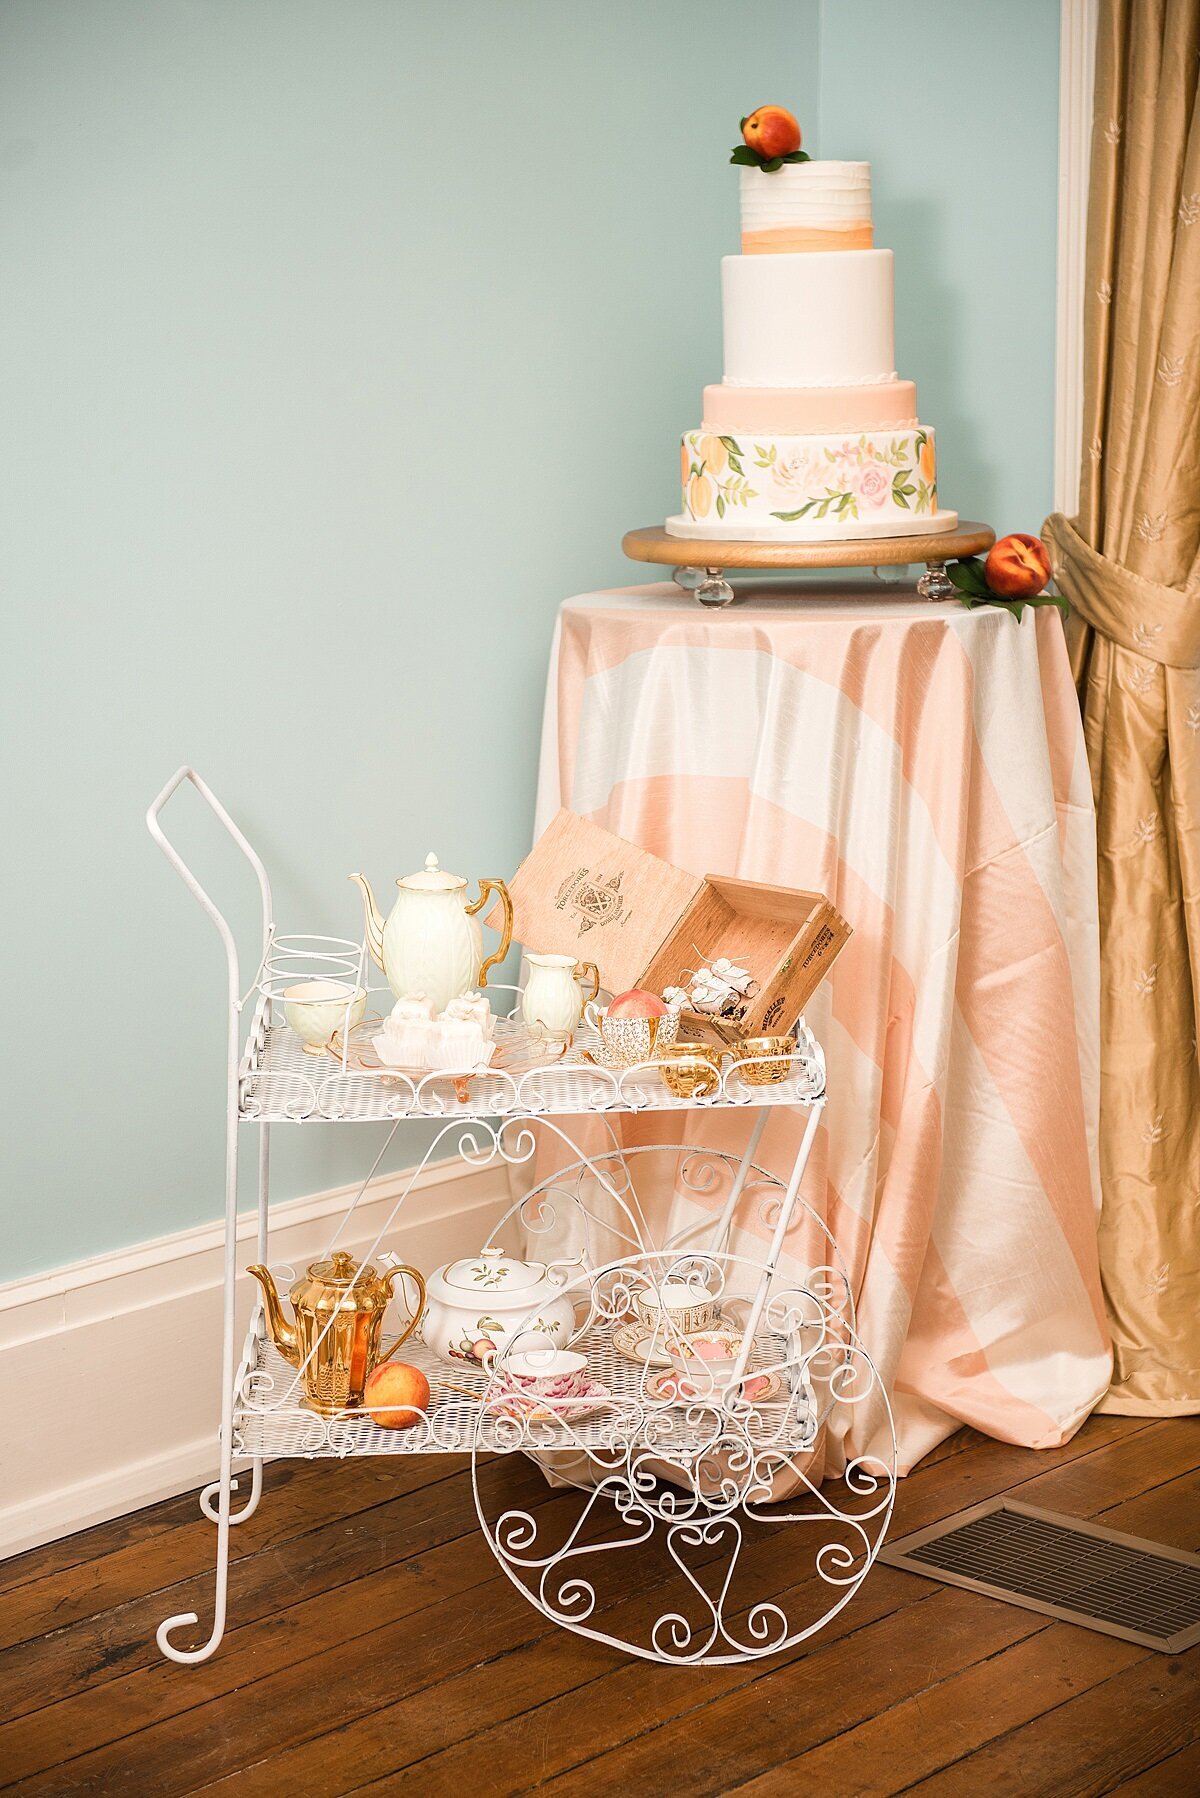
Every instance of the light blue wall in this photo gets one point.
(339, 343)
(955, 105)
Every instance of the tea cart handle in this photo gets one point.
(189, 879)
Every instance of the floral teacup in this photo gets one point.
(705, 1364)
(544, 1373)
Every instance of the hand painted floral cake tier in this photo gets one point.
(817, 484)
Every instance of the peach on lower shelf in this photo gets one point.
(396, 1395)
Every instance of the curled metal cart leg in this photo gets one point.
(216, 1500)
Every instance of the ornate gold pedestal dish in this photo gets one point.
(699, 564)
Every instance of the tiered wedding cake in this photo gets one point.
(810, 436)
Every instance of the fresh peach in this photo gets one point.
(637, 1003)
(402, 1392)
(772, 131)
(1017, 567)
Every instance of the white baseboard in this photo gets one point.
(111, 1367)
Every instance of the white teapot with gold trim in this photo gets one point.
(432, 942)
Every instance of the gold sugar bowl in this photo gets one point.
(690, 1070)
(335, 1335)
(765, 1060)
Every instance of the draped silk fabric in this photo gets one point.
(1130, 566)
(924, 766)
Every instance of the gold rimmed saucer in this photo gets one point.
(662, 1385)
(640, 1342)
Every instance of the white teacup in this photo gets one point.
(316, 1008)
(677, 1306)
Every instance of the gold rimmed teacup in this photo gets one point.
(690, 1070)
(315, 1009)
(765, 1060)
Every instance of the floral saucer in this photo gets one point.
(644, 1343)
(533, 1409)
(755, 1388)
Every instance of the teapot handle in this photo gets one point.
(414, 1320)
(494, 889)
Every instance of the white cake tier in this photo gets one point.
(879, 484)
(806, 206)
(822, 319)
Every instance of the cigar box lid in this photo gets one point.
(583, 891)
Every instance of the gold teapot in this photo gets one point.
(431, 942)
(335, 1337)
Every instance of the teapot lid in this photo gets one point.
(343, 1270)
(339, 1283)
(431, 879)
(493, 1271)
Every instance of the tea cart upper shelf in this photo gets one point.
(279, 1082)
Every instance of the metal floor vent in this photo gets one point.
(1077, 1572)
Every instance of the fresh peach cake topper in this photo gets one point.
(770, 137)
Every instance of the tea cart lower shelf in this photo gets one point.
(688, 1477)
(270, 1420)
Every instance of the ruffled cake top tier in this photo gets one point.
(806, 206)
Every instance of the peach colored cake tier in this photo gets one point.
(797, 411)
(787, 240)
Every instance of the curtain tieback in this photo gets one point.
(1157, 622)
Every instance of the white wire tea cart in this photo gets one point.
(691, 1524)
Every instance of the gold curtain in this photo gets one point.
(1130, 566)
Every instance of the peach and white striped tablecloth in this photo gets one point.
(924, 766)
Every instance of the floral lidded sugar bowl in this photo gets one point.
(493, 1301)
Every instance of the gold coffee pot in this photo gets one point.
(335, 1338)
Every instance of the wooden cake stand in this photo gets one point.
(699, 564)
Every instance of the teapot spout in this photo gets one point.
(373, 919)
(283, 1334)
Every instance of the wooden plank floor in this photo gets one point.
(373, 1645)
